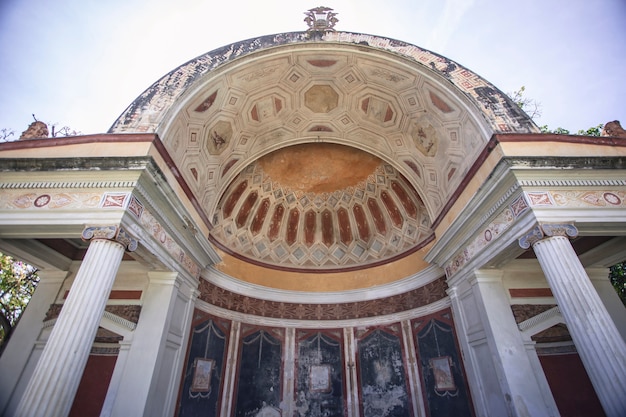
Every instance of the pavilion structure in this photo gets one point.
(317, 223)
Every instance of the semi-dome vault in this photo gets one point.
(406, 122)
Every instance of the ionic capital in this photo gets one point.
(543, 230)
(112, 233)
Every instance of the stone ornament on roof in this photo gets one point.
(321, 19)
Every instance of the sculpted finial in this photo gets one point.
(321, 19)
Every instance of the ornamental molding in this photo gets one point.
(484, 234)
(236, 317)
(409, 283)
(557, 199)
(408, 301)
(572, 183)
(68, 184)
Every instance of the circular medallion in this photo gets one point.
(42, 200)
(612, 199)
(488, 235)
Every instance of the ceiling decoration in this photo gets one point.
(320, 206)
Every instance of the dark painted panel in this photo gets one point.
(259, 381)
(319, 379)
(382, 375)
(202, 382)
(442, 372)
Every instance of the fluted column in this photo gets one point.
(56, 377)
(599, 344)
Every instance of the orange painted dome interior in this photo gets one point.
(320, 206)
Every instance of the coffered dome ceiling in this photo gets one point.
(321, 206)
(322, 153)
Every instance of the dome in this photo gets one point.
(322, 152)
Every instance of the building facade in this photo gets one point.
(313, 224)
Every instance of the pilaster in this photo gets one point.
(516, 374)
(151, 352)
(600, 280)
(599, 343)
(19, 350)
(52, 387)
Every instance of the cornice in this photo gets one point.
(325, 324)
(409, 283)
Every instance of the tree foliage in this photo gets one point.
(18, 281)
(617, 276)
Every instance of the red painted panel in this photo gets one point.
(392, 209)
(405, 200)
(327, 228)
(277, 218)
(530, 292)
(364, 104)
(570, 386)
(362, 224)
(254, 114)
(93, 386)
(345, 231)
(377, 215)
(388, 114)
(310, 222)
(259, 217)
(233, 198)
(244, 211)
(292, 226)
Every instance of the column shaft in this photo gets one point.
(57, 375)
(599, 344)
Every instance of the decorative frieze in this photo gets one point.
(153, 227)
(577, 198)
(219, 297)
(486, 236)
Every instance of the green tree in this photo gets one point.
(18, 281)
(617, 275)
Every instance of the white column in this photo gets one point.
(116, 378)
(18, 352)
(57, 375)
(516, 375)
(600, 280)
(599, 344)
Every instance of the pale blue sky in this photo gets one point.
(82, 62)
